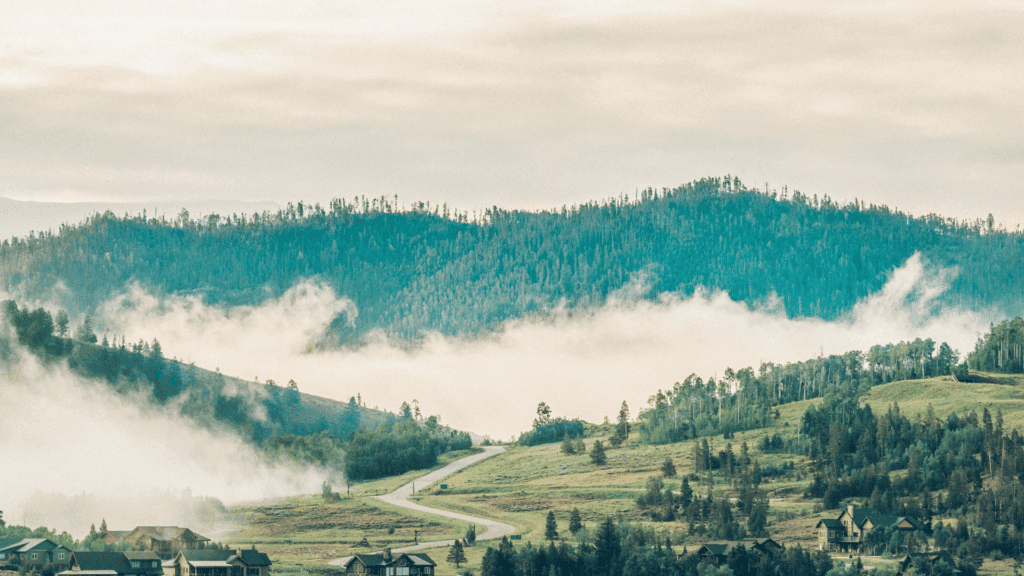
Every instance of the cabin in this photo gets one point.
(114, 564)
(384, 564)
(848, 532)
(718, 552)
(35, 554)
(924, 562)
(222, 563)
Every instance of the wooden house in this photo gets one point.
(924, 562)
(849, 530)
(717, 552)
(384, 564)
(221, 563)
(36, 554)
(114, 564)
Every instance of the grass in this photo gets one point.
(1000, 392)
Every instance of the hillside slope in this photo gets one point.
(428, 269)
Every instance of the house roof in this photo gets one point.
(419, 559)
(222, 557)
(830, 523)
(377, 559)
(9, 542)
(167, 533)
(115, 561)
(141, 555)
(116, 534)
(33, 544)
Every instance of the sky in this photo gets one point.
(517, 104)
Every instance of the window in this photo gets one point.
(403, 571)
(60, 556)
(252, 572)
(35, 555)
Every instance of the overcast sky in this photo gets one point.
(518, 104)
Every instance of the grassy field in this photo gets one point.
(1000, 392)
(520, 486)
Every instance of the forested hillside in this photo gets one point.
(427, 268)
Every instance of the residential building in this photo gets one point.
(384, 564)
(36, 554)
(924, 562)
(717, 552)
(221, 563)
(166, 541)
(114, 564)
(849, 531)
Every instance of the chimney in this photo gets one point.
(849, 510)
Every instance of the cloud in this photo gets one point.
(74, 452)
(526, 105)
(582, 364)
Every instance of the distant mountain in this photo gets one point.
(18, 218)
(429, 269)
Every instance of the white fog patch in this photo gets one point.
(583, 365)
(74, 452)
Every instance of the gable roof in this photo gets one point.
(141, 555)
(224, 557)
(166, 533)
(115, 561)
(418, 559)
(8, 543)
(377, 559)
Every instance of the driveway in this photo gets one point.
(400, 497)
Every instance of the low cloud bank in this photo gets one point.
(583, 365)
(74, 452)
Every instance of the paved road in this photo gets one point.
(400, 497)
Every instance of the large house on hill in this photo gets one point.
(383, 564)
(849, 530)
(164, 540)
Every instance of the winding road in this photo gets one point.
(400, 497)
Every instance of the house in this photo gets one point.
(114, 564)
(164, 540)
(925, 562)
(221, 563)
(383, 564)
(36, 554)
(718, 552)
(849, 531)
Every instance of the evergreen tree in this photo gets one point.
(550, 527)
(456, 554)
(597, 455)
(575, 523)
(668, 469)
(568, 447)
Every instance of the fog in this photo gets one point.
(582, 365)
(74, 452)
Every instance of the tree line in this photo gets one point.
(429, 269)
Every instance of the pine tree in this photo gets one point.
(551, 527)
(575, 523)
(567, 445)
(668, 469)
(597, 453)
(456, 554)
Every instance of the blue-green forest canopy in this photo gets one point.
(429, 268)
